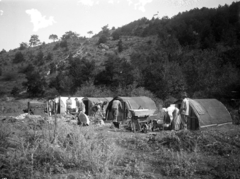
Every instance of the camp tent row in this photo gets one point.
(203, 112)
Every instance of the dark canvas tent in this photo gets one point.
(141, 102)
(207, 112)
(91, 101)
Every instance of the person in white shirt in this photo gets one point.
(56, 100)
(172, 111)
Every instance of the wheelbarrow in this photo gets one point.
(140, 121)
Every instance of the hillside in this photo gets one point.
(196, 51)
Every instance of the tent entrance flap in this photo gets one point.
(87, 106)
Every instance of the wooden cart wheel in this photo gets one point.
(144, 128)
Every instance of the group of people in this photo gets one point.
(175, 118)
(80, 106)
(53, 106)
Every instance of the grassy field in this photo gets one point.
(44, 147)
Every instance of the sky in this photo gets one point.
(20, 19)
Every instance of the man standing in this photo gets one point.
(184, 110)
(116, 105)
(69, 105)
(50, 107)
(80, 107)
(57, 101)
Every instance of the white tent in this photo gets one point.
(61, 103)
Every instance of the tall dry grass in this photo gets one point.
(38, 148)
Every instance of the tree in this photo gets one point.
(34, 40)
(81, 71)
(53, 37)
(105, 30)
(28, 69)
(23, 46)
(70, 35)
(64, 84)
(120, 46)
(15, 91)
(48, 57)
(90, 33)
(118, 72)
(63, 44)
(18, 57)
(3, 51)
(102, 39)
(35, 84)
(105, 33)
(39, 58)
(116, 35)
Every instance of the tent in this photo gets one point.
(61, 103)
(91, 101)
(207, 112)
(141, 102)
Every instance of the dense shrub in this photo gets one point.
(18, 57)
(102, 39)
(10, 75)
(15, 91)
(56, 46)
(63, 44)
(27, 69)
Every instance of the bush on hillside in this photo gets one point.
(10, 76)
(18, 58)
(15, 91)
(23, 46)
(56, 46)
(102, 39)
(90, 90)
(51, 92)
(63, 44)
(26, 69)
(35, 84)
(116, 35)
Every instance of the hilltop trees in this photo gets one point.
(23, 46)
(105, 33)
(53, 37)
(34, 40)
(70, 35)
(90, 33)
